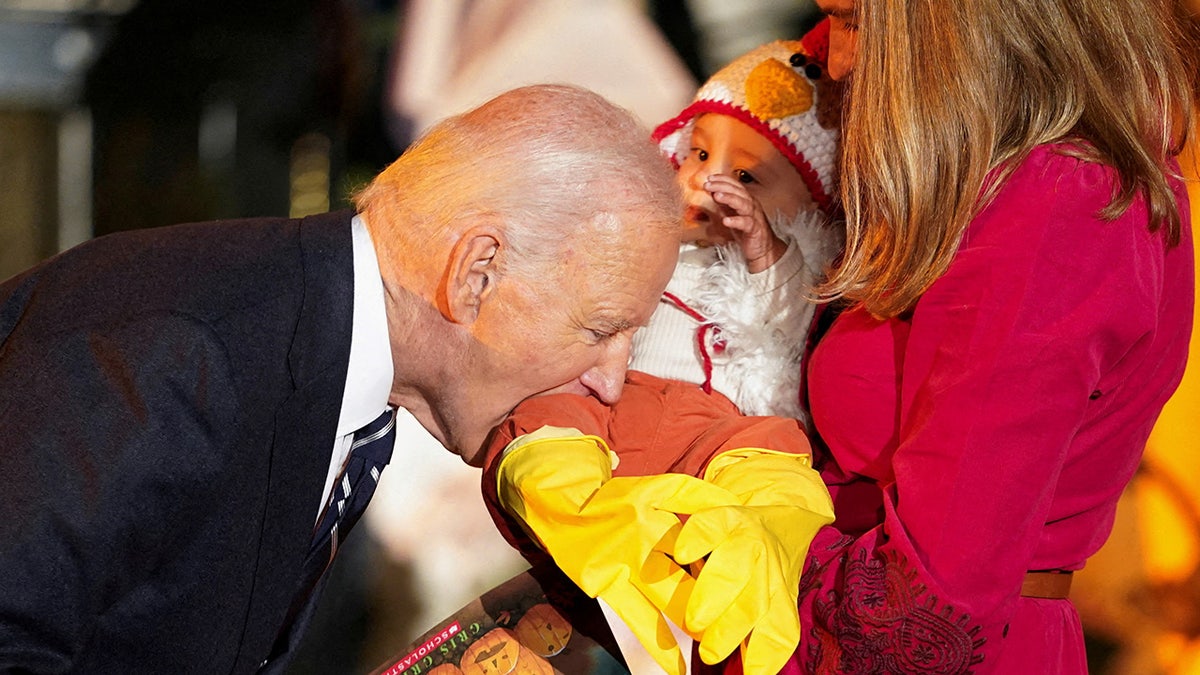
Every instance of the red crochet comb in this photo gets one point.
(816, 42)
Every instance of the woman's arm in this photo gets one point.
(1034, 332)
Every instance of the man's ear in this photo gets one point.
(472, 272)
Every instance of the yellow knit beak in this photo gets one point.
(775, 91)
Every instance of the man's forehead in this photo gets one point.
(622, 293)
(628, 265)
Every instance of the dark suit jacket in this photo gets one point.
(168, 404)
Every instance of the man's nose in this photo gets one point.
(606, 378)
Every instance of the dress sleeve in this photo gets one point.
(108, 437)
(1043, 307)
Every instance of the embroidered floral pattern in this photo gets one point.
(882, 619)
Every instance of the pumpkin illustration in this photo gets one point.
(498, 652)
(543, 630)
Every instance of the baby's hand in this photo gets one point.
(748, 223)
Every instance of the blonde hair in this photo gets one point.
(943, 93)
(547, 162)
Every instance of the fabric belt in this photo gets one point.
(1053, 585)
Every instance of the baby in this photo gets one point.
(756, 153)
(756, 167)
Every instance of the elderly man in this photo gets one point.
(182, 410)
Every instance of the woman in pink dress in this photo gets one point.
(1019, 284)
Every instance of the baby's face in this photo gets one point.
(723, 144)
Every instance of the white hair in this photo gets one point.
(548, 162)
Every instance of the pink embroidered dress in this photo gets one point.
(991, 432)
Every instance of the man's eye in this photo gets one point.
(743, 176)
(598, 335)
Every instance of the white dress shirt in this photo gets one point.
(369, 375)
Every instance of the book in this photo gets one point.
(537, 623)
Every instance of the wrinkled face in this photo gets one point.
(843, 36)
(567, 331)
(725, 145)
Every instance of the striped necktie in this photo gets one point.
(370, 452)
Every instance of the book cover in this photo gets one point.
(537, 623)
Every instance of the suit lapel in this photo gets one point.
(304, 427)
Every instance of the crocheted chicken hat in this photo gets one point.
(772, 89)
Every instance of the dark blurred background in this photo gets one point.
(124, 114)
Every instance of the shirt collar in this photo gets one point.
(369, 374)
